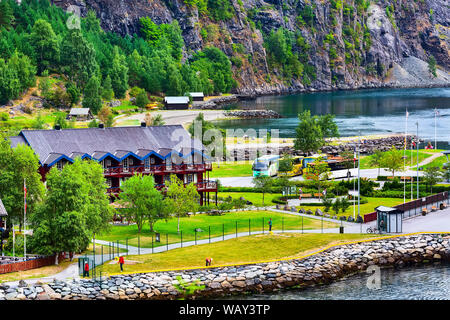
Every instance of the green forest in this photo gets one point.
(36, 41)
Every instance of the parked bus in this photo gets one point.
(266, 166)
(299, 164)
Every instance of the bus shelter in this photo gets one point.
(391, 217)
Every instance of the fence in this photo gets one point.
(10, 264)
(414, 208)
(149, 243)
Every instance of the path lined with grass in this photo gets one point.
(250, 249)
(207, 226)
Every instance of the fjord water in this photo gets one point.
(379, 111)
(430, 282)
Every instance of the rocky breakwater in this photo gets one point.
(323, 267)
(369, 146)
(254, 114)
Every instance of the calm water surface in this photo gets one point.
(431, 282)
(366, 111)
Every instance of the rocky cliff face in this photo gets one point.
(374, 45)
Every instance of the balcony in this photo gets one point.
(155, 169)
(204, 186)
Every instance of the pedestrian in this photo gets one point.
(208, 261)
(381, 225)
(86, 270)
(300, 191)
(270, 224)
(121, 262)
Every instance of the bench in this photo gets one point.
(424, 211)
(306, 195)
(317, 195)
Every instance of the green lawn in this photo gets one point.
(364, 208)
(232, 169)
(252, 249)
(423, 154)
(226, 223)
(254, 197)
(438, 162)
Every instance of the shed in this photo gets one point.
(392, 218)
(197, 96)
(174, 103)
(80, 114)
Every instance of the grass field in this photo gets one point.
(438, 162)
(423, 154)
(231, 169)
(216, 225)
(252, 249)
(364, 208)
(254, 197)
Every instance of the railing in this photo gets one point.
(413, 208)
(206, 185)
(159, 168)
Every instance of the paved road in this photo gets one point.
(172, 117)
(364, 173)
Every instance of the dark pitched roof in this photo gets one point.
(117, 142)
(3, 212)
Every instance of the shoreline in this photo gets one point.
(332, 263)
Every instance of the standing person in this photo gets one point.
(86, 270)
(300, 191)
(381, 225)
(121, 262)
(270, 224)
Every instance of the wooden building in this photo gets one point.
(125, 151)
(197, 96)
(80, 114)
(176, 103)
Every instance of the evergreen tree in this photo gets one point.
(107, 90)
(45, 45)
(78, 58)
(92, 99)
(119, 74)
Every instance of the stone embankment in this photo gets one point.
(323, 267)
(369, 146)
(254, 114)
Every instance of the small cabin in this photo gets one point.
(176, 103)
(80, 114)
(197, 96)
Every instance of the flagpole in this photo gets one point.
(404, 159)
(435, 115)
(24, 219)
(418, 141)
(354, 187)
(411, 167)
(359, 189)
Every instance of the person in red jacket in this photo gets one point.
(121, 262)
(86, 270)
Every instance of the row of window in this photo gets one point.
(188, 178)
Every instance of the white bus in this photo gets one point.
(266, 166)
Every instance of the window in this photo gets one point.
(152, 160)
(59, 165)
(125, 165)
(147, 164)
(169, 163)
(109, 182)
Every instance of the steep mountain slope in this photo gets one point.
(339, 44)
